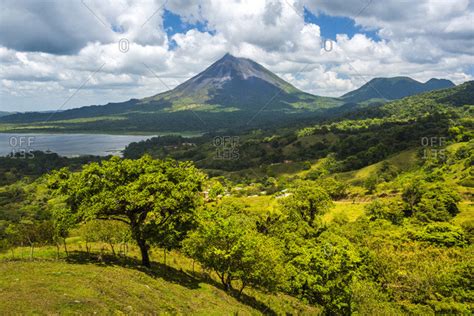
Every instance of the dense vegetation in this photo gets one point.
(370, 213)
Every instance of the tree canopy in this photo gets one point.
(149, 195)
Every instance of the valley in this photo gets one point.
(305, 205)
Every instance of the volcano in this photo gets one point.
(231, 93)
(234, 83)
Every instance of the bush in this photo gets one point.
(227, 242)
(437, 204)
(442, 234)
(337, 190)
(323, 274)
(429, 203)
(391, 210)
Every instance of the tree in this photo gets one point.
(438, 203)
(63, 221)
(412, 194)
(430, 202)
(441, 233)
(33, 233)
(109, 232)
(146, 194)
(323, 272)
(391, 210)
(336, 189)
(307, 201)
(227, 242)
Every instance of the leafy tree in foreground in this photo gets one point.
(324, 272)
(227, 242)
(148, 195)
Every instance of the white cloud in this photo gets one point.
(45, 60)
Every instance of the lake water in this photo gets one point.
(69, 145)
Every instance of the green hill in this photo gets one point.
(48, 286)
(394, 88)
(428, 103)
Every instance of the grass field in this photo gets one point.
(403, 161)
(466, 213)
(349, 209)
(103, 284)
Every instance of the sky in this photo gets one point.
(62, 54)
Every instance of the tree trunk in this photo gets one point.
(222, 277)
(65, 247)
(242, 288)
(57, 251)
(226, 281)
(164, 253)
(144, 251)
(229, 282)
(112, 247)
(31, 251)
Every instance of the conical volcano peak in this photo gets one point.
(230, 70)
(230, 66)
(228, 56)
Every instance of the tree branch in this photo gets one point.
(115, 219)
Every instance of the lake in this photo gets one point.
(69, 145)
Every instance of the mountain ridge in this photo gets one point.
(393, 88)
(231, 93)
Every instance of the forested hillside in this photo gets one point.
(366, 213)
(394, 88)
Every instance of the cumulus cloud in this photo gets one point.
(49, 49)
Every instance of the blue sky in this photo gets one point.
(71, 48)
(173, 24)
(333, 25)
(330, 25)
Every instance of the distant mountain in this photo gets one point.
(2, 113)
(443, 103)
(231, 93)
(423, 104)
(233, 83)
(394, 88)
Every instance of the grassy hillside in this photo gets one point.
(351, 216)
(105, 285)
